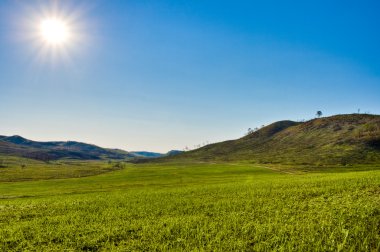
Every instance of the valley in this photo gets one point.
(262, 192)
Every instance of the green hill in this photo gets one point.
(340, 139)
(45, 151)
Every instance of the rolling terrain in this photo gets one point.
(186, 207)
(46, 151)
(56, 150)
(230, 201)
(341, 139)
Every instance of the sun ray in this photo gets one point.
(54, 34)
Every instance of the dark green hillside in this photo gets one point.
(340, 139)
(45, 151)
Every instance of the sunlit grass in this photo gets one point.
(220, 207)
(14, 169)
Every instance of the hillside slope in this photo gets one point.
(19, 146)
(340, 139)
(54, 150)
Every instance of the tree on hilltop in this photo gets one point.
(319, 113)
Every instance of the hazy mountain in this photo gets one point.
(146, 154)
(173, 152)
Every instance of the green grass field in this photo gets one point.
(204, 207)
(14, 169)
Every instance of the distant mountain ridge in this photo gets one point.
(19, 146)
(339, 139)
(147, 154)
(53, 150)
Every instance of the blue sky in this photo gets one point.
(161, 75)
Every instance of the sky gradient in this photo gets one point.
(161, 75)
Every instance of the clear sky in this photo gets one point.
(161, 75)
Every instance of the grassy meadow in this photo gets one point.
(14, 169)
(194, 206)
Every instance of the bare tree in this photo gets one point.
(249, 131)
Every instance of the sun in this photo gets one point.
(54, 31)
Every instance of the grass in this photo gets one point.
(182, 207)
(14, 169)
